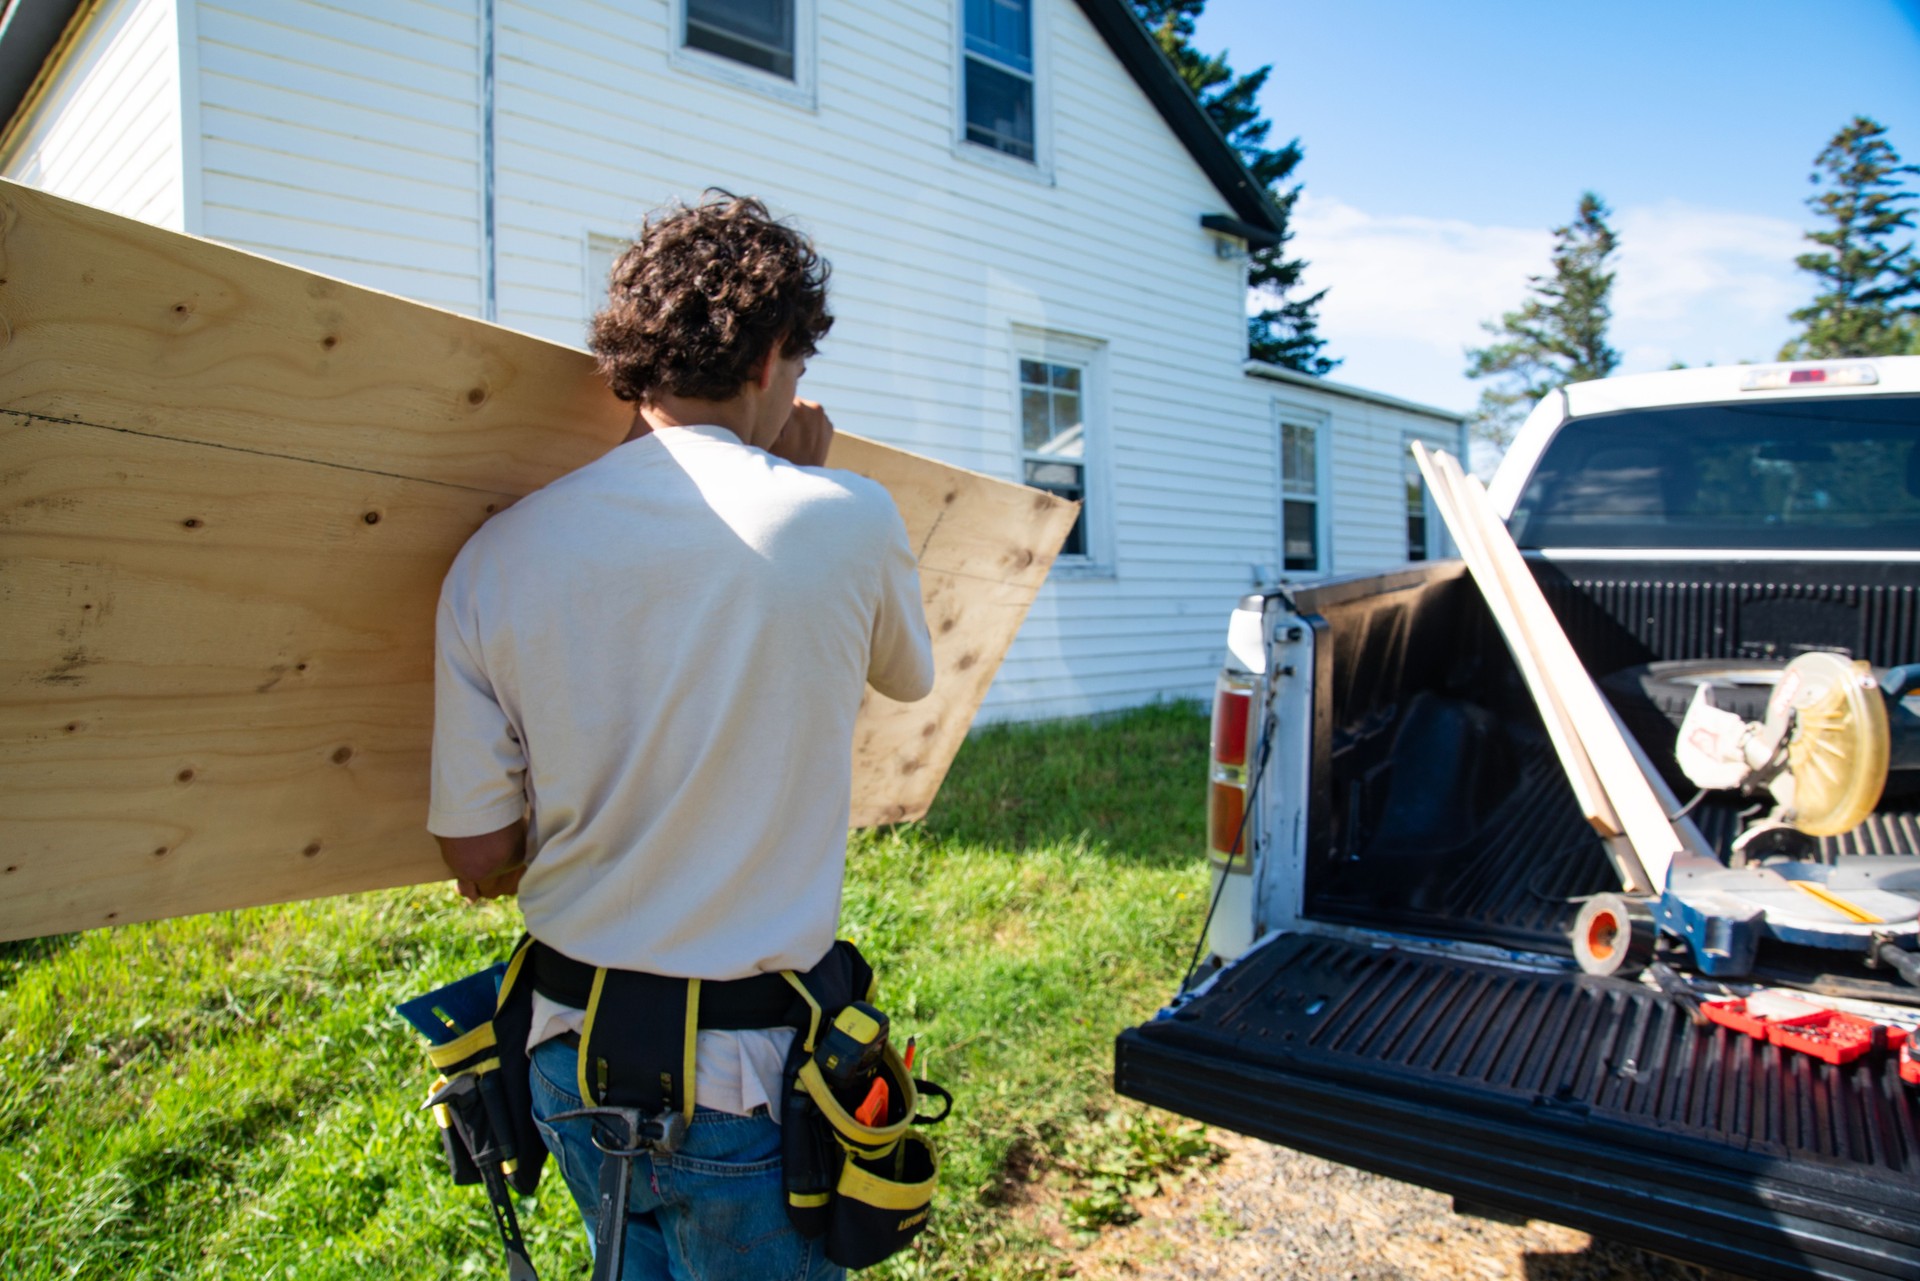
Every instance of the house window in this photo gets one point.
(1059, 387)
(758, 33)
(998, 75)
(1053, 437)
(1300, 496)
(1418, 546)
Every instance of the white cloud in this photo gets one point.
(1704, 285)
(1408, 294)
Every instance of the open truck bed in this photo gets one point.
(1593, 1102)
(1413, 1007)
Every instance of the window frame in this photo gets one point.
(1288, 413)
(801, 91)
(1089, 355)
(1430, 549)
(1040, 168)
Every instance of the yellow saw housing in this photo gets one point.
(1838, 754)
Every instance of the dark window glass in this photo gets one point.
(1839, 474)
(1416, 511)
(756, 32)
(1301, 535)
(999, 109)
(999, 73)
(1068, 481)
(1002, 30)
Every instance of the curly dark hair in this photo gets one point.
(698, 300)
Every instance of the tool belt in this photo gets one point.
(867, 1189)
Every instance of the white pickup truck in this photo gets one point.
(1399, 859)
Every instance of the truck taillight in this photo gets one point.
(1227, 765)
(1230, 706)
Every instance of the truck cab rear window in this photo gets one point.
(1834, 474)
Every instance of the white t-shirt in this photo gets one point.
(661, 656)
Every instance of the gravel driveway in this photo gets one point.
(1268, 1211)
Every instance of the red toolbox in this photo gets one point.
(1828, 1035)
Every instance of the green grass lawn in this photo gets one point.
(232, 1096)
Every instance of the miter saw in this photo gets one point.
(1834, 730)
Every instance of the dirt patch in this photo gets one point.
(1271, 1212)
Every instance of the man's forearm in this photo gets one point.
(481, 858)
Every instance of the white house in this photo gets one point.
(1038, 243)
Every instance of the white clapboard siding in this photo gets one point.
(348, 136)
(936, 259)
(345, 137)
(107, 128)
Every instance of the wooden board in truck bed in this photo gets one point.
(229, 489)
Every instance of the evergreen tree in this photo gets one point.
(1869, 300)
(1285, 331)
(1558, 336)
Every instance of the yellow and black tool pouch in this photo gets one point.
(482, 1100)
(868, 1189)
(500, 1131)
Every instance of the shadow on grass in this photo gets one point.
(19, 953)
(1133, 783)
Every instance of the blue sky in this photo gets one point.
(1442, 141)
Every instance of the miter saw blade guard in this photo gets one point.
(1833, 730)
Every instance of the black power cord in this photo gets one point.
(1267, 728)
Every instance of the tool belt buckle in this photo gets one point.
(637, 1134)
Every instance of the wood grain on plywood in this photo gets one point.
(119, 324)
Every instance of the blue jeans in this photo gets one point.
(715, 1210)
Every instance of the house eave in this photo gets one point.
(1281, 374)
(1140, 54)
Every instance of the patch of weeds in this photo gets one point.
(1215, 1219)
(1130, 1154)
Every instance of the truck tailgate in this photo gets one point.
(1593, 1102)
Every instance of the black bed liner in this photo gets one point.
(1519, 883)
(1591, 1102)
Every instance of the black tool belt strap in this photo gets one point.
(762, 1000)
(637, 1048)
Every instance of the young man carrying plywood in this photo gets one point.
(648, 674)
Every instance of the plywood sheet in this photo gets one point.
(228, 492)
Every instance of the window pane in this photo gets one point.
(1001, 30)
(1301, 536)
(1036, 424)
(756, 32)
(1299, 471)
(1839, 474)
(1066, 377)
(1066, 413)
(1055, 476)
(1416, 536)
(999, 109)
(1032, 371)
(1065, 480)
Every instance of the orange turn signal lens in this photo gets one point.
(1226, 807)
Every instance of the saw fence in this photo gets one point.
(229, 489)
